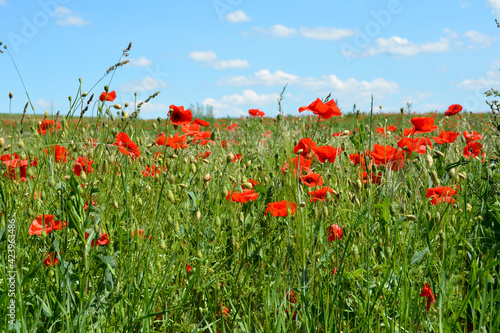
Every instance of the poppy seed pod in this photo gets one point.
(302, 204)
(229, 157)
(430, 161)
(207, 178)
(411, 217)
(438, 153)
(170, 196)
(7, 147)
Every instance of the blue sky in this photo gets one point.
(238, 54)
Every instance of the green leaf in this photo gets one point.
(418, 256)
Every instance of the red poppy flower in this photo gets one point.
(445, 137)
(245, 196)
(188, 268)
(126, 146)
(256, 113)
(60, 153)
(281, 208)
(110, 97)
(291, 297)
(190, 130)
(472, 136)
(102, 240)
(141, 233)
(417, 145)
(473, 149)
(177, 141)
(201, 122)
(388, 156)
(306, 144)
(82, 164)
(326, 153)
(380, 130)
(153, 170)
(427, 292)
(320, 194)
(341, 134)
(178, 116)
(324, 110)
(421, 125)
(392, 128)
(36, 227)
(48, 125)
(312, 179)
(13, 162)
(50, 259)
(237, 157)
(161, 139)
(441, 194)
(375, 178)
(336, 233)
(453, 109)
(303, 164)
(232, 128)
(356, 158)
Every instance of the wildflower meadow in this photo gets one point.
(331, 221)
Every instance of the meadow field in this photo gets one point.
(331, 221)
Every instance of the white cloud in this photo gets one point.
(145, 84)
(228, 104)
(480, 40)
(326, 33)
(209, 58)
(65, 17)
(278, 30)
(262, 77)
(424, 95)
(221, 109)
(237, 16)
(140, 62)
(494, 5)
(151, 107)
(43, 104)
(398, 46)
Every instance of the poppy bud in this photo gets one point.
(7, 147)
(302, 204)
(430, 161)
(223, 192)
(357, 202)
(453, 173)
(83, 176)
(428, 215)
(462, 175)
(233, 241)
(247, 185)
(229, 157)
(249, 163)
(198, 215)
(206, 161)
(325, 211)
(437, 217)
(359, 185)
(115, 204)
(112, 117)
(411, 217)
(193, 168)
(183, 185)
(85, 94)
(170, 196)
(52, 182)
(139, 201)
(20, 144)
(46, 113)
(126, 104)
(44, 233)
(2, 142)
(207, 178)
(199, 254)
(438, 153)
(11, 95)
(468, 207)
(300, 151)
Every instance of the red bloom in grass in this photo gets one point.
(224, 144)
(50, 259)
(141, 233)
(380, 130)
(178, 116)
(102, 240)
(13, 161)
(356, 158)
(256, 113)
(441, 194)
(303, 163)
(327, 153)
(60, 153)
(232, 128)
(336, 233)
(453, 109)
(110, 97)
(375, 178)
(177, 141)
(126, 146)
(388, 156)
(421, 125)
(473, 149)
(341, 134)
(427, 292)
(201, 122)
(324, 110)
(161, 139)
(312, 179)
(190, 130)
(205, 154)
(291, 297)
(472, 136)
(417, 145)
(306, 144)
(36, 227)
(445, 137)
(48, 125)
(82, 164)
(280, 208)
(153, 170)
(320, 194)
(245, 196)
(392, 128)
(237, 157)
(188, 268)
